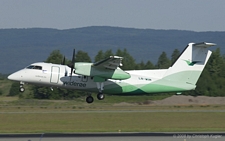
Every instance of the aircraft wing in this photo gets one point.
(102, 70)
(113, 62)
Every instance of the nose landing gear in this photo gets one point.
(22, 89)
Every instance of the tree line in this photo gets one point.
(211, 82)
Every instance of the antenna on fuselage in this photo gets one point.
(63, 63)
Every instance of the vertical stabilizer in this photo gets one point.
(190, 64)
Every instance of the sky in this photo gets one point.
(194, 15)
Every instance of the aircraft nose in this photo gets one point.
(17, 76)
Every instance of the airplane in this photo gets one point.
(106, 76)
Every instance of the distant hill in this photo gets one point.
(20, 47)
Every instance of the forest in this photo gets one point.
(17, 45)
(211, 82)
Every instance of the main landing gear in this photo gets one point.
(90, 99)
(100, 96)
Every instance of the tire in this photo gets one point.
(89, 99)
(22, 89)
(100, 96)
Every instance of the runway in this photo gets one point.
(114, 137)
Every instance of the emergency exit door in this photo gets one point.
(55, 74)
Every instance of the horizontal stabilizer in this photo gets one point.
(204, 44)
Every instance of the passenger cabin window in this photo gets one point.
(34, 67)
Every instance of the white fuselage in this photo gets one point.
(55, 75)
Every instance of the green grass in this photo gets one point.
(42, 116)
(111, 122)
(110, 115)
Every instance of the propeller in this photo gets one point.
(72, 64)
(63, 61)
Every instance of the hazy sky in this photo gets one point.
(195, 15)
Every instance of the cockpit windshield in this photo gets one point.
(34, 67)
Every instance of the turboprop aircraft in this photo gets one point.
(107, 77)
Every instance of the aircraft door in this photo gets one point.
(54, 74)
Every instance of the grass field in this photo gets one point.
(36, 116)
(111, 122)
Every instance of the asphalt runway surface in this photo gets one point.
(115, 137)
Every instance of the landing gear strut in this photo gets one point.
(100, 86)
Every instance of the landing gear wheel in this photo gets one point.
(89, 99)
(22, 89)
(100, 96)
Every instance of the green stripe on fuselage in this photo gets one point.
(145, 89)
(166, 84)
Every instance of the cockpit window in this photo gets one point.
(30, 67)
(34, 67)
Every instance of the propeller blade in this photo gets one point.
(63, 61)
(73, 59)
(66, 73)
(72, 64)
